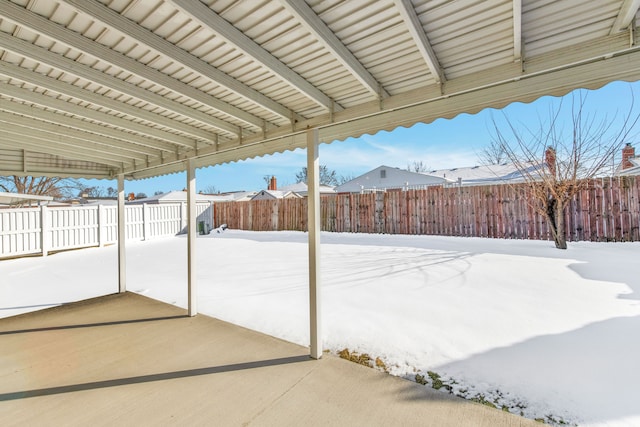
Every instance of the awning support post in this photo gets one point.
(122, 265)
(313, 212)
(191, 237)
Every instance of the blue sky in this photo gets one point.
(441, 144)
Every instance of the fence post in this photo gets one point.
(44, 230)
(146, 233)
(211, 212)
(183, 216)
(101, 230)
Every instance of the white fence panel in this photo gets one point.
(19, 231)
(108, 225)
(163, 220)
(72, 228)
(134, 222)
(77, 227)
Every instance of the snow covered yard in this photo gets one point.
(516, 323)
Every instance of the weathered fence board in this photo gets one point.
(608, 209)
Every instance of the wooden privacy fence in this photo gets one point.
(608, 209)
(41, 230)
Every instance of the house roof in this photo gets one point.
(238, 196)
(301, 188)
(94, 89)
(275, 194)
(484, 174)
(633, 170)
(387, 177)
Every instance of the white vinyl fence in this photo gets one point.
(43, 229)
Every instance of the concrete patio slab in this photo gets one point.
(125, 359)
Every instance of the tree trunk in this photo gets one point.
(561, 234)
(555, 218)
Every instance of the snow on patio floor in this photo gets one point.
(547, 333)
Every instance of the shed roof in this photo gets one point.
(18, 198)
(98, 88)
(180, 196)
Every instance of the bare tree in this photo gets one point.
(327, 176)
(345, 178)
(92, 192)
(58, 188)
(210, 189)
(493, 154)
(556, 161)
(417, 166)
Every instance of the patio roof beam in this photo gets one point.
(517, 30)
(211, 20)
(74, 68)
(120, 23)
(48, 164)
(143, 144)
(625, 16)
(77, 138)
(412, 21)
(61, 87)
(174, 141)
(34, 145)
(308, 18)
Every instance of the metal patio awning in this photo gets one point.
(99, 88)
(139, 88)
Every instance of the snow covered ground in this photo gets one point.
(517, 323)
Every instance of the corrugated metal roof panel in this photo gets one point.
(231, 79)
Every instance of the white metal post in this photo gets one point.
(191, 237)
(122, 266)
(313, 212)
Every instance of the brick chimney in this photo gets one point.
(628, 152)
(272, 184)
(550, 160)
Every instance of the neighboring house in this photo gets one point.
(506, 173)
(288, 192)
(239, 196)
(301, 189)
(385, 178)
(630, 164)
(275, 194)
